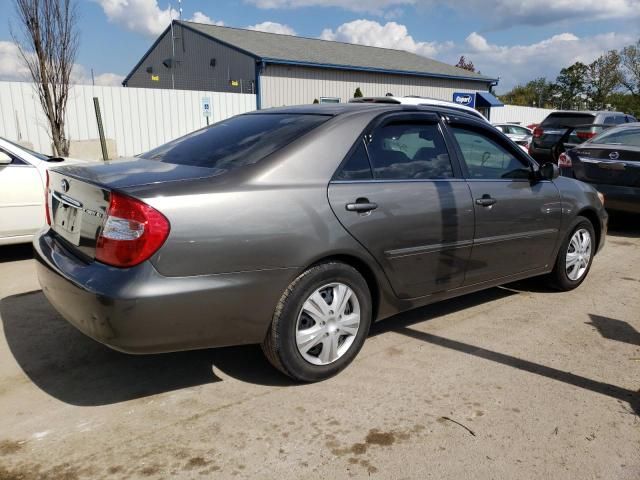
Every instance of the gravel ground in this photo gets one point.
(514, 382)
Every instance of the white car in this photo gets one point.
(22, 183)
(414, 100)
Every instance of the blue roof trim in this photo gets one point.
(378, 70)
(488, 99)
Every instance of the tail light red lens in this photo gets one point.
(564, 160)
(47, 210)
(585, 135)
(133, 231)
(538, 132)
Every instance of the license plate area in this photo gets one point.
(67, 217)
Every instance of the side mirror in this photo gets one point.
(5, 159)
(549, 171)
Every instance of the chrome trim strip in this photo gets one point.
(66, 200)
(514, 236)
(438, 247)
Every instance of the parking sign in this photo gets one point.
(206, 106)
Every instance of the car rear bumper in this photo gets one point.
(620, 198)
(137, 310)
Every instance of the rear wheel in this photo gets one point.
(575, 256)
(320, 322)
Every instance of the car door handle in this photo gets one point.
(486, 201)
(361, 205)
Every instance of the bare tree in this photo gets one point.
(47, 38)
(631, 68)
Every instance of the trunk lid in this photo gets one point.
(79, 195)
(607, 164)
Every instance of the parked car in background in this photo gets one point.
(329, 218)
(610, 162)
(22, 184)
(519, 134)
(552, 128)
(424, 101)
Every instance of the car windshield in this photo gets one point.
(237, 141)
(39, 156)
(622, 136)
(567, 119)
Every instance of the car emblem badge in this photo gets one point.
(614, 155)
(64, 185)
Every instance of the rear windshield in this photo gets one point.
(236, 142)
(567, 119)
(619, 136)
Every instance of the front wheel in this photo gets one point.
(320, 323)
(575, 256)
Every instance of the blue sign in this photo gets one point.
(466, 99)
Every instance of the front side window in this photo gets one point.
(404, 151)
(487, 159)
(237, 141)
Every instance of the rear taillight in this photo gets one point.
(564, 160)
(538, 132)
(585, 135)
(133, 231)
(47, 211)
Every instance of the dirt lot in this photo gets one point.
(511, 383)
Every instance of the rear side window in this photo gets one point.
(236, 142)
(357, 167)
(405, 151)
(567, 120)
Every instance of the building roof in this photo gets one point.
(289, 49)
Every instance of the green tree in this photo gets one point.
(571, 83)
(315, 100)
(536, 93)
(357, 93)
(604, 78)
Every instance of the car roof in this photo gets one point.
(415, 100)
(335, 109)
(587, 112)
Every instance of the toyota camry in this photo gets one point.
(297, 227)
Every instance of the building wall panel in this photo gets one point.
(290, 85)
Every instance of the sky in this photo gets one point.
(515, 40)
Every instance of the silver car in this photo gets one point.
(298, 227)
(519, 134)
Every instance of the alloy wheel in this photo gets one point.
(578, 254)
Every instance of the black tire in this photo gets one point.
(559, 278)
(280, 346)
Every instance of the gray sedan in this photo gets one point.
(298, 227)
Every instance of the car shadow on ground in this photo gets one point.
(77, 370)
(624, 225)
(14, 253)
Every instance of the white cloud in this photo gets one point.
(506, 13)
(143, 16)
(273, 27)
(390, 35)
(11, 65)
(200, 17)
(521, 63)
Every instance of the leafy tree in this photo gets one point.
(47, 39)
(630, 59)
(604, 77)
(466, 65)
(625, 102)
(315, 100)
(571, 83)
(538, 93)
(357, 93)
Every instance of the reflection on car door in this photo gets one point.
(21, 198)
(517, 219)
(401, 197)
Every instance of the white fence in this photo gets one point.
(137, 119)
(524, 115)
